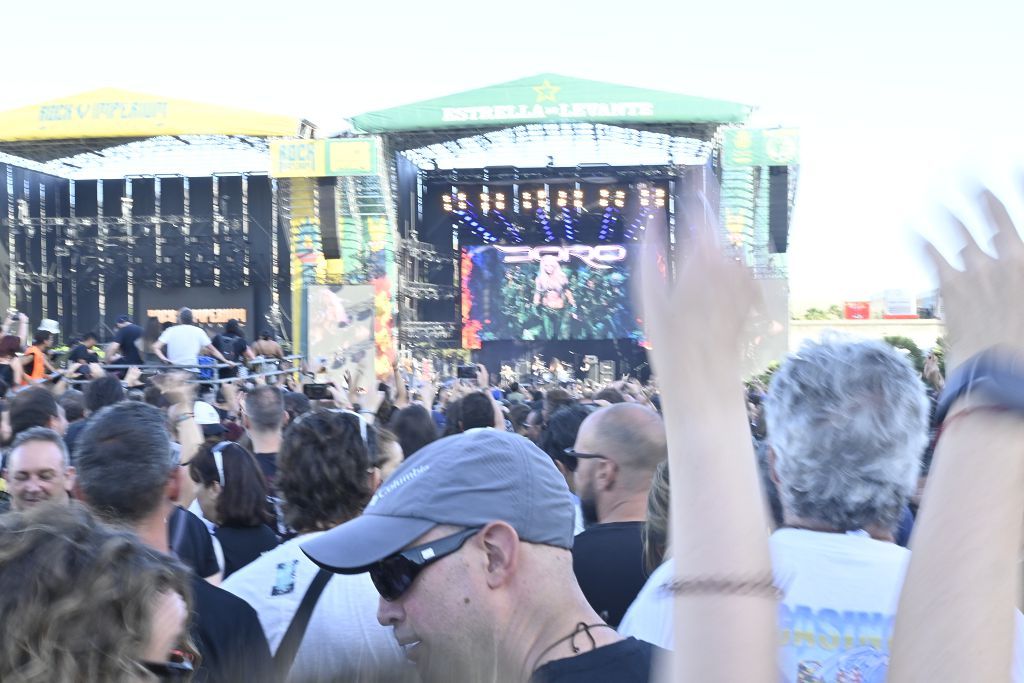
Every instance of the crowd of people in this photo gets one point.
(685, 529)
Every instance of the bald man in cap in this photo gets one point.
(617, 450)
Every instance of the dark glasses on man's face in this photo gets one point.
(394, 574)
(572, 458)
(177, 668)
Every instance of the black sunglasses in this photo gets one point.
(394, 574)
(180, 670)
(572, 458)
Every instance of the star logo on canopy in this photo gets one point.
(546, 92)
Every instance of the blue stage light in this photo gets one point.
(545, 223)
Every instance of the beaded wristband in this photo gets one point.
(763, 587)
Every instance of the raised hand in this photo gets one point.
(979, 300)
(695, 320)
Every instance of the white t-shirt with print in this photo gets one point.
(184, 342)
(836, 619)
(343, 637)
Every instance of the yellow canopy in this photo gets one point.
(114, 113)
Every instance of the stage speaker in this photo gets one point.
(778, 209)
(593, 368)
(607, 374)
(328, 218)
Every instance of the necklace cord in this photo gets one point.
(581, 627)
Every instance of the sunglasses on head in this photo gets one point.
(393, 575)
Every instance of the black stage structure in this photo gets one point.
(114, 202)
(87, 251)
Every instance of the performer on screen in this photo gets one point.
(551, 295)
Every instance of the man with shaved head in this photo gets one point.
(616, 453)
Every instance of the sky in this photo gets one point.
(901, 104)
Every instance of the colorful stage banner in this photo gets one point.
(323, 158)
(340, 330)
(761, 147)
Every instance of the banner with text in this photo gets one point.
(322, 158)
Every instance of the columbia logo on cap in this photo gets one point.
(401, 481)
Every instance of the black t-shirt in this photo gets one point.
(231, 346)
(190, 541)
(242, 545)
(7, 375)
(80, 353)
(608, 560)
(229, 637)
(268, 465)
(627, 661)
(125, 339)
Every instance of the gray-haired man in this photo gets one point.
(38, 469)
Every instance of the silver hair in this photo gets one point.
(848, 421)
(42, 434)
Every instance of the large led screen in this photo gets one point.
(546, 292)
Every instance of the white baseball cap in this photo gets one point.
(49, 325)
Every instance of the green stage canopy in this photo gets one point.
(550, 98)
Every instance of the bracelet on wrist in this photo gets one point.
(758, 587)
(183, 417)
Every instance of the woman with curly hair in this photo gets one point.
(81, 601)
(326, 475)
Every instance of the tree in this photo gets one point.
(913, 350)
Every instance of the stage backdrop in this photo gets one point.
(211, 307)
(340, 332)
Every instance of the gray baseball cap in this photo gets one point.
(466, 480)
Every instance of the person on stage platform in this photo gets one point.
(125, 349)
(551, 296)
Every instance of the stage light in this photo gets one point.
(606, 224)
(602, 202)
(545, 223)
(604, 192)
(563, 198)
(527, 205)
